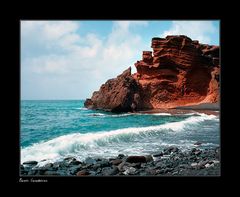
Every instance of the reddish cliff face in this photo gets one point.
(179, 72)
(117, 95)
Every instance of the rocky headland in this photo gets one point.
(178, 72)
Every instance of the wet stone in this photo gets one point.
(120, 156)
(92, 173)
(158, 154)
(75, 162)
(197, 143)
(129, 171)
(104, 163)
(202, 163)
(70, 159)
(30, 163)
(83, 173)
(116, 161)
(197, 152)
(108, 171)
(90, 161)
(136, 159)
(171, 149)
(74, 169)
(175, 173)
(49, 165)
(33, 172)
(135, 165)
(151, 171)
(120, 166)
(149, 158)
(96, 166)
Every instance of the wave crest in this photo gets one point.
(107, 142)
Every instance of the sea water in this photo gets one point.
(52, 130)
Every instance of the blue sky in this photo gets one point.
(71, 59)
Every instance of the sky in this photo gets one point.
(71, 59)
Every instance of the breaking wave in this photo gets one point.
(109, 143)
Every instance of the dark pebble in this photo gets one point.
(149, 158)
(135, 165)
(116, 161)
(120, 156)
(70, 159)
(33, 172)
(197, 143)
(30, 163)
(104, 163)
(158, 154)
(90, 161)
(136, 159)
(129, 170)
(169, 150)
(49, 165)
(108, 171)
(83, 173)
(151, 171)
(96, 166)
(75, 169)
(197, 152)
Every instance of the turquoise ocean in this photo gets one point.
(51, 130)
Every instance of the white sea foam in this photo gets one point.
(97, 114)
(129, 114)
(107, 142)
(121, 115)
(113, 115)
(82, 108)
(162, 114)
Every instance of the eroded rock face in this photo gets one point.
(117, 95)
(179, 72)
(182, 72)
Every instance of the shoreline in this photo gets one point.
(207, 108)
(169, 162)
(202, 106)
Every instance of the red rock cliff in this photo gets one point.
(179, 72)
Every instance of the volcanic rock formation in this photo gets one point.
(179, 72)
(116, 95)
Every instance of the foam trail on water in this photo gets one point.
(82, 108)
(161, 114)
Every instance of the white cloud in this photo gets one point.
(49, 30)
(61, 54)
(196, 30)
(125, 25)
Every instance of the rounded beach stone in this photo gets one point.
(83, 173)
(136, 159)
(30, 163)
